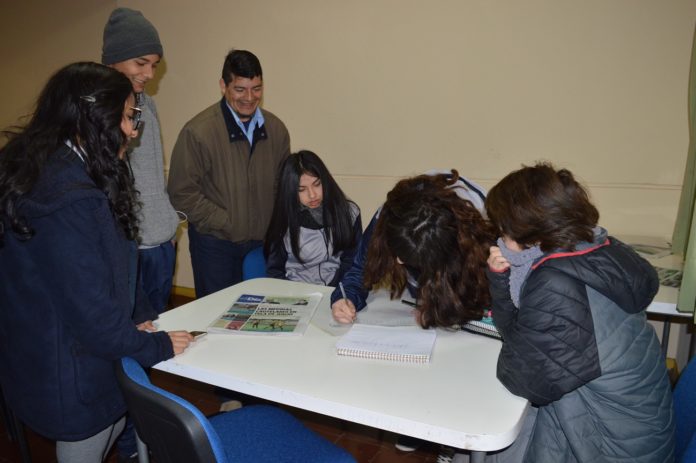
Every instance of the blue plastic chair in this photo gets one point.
(684, 397)
(254, 264)
(176, 431)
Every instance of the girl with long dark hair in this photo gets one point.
(69, 302)
(315, 229)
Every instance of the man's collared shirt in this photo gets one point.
(257, 119)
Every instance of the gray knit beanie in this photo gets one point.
(128, 35)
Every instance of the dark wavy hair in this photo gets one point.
(443, 242)
(337, 218)
(82, 103)
(241, 63)
(542, 206)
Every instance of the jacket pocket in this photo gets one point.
(95, 379)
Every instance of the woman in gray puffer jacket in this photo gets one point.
(570, 304)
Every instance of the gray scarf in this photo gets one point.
(317, 213)
(520, 265)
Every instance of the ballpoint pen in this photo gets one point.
(343, 294)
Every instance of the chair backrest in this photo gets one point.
(685, 414)
(254, 264)
(173, 429)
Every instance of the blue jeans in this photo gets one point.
(216, 263)
(156, 269)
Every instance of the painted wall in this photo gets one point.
(385, 89)
(37, 37)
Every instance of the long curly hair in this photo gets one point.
(441, 240)
(82, 103)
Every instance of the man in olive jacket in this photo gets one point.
(223, 172)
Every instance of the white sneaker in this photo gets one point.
(407, 443)
(230, 405)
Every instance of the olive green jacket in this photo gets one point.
(224, 185)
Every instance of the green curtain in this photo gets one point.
(685, 226)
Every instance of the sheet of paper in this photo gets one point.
(382, 311)
(324, 320)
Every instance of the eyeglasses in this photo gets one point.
(135, 117)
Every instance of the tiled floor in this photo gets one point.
(367, 445)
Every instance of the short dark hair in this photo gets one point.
(443, 241)
(241, 63)
(542, 206)
(337, 219)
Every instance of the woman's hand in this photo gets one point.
(180, 340)
(496, 262)
(147, 326)
(343, 311)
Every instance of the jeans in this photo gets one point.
(217, 264)
(155, 270)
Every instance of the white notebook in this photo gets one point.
(396, 343)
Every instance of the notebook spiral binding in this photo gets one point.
(410, 358)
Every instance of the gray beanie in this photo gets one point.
(128, 35)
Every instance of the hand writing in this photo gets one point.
(146, 326)
(343, 311)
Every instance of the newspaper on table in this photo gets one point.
(257, 314)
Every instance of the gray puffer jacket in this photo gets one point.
(579, 347)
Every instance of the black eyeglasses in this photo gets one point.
(135, 117)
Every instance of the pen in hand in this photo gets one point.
(346, 313)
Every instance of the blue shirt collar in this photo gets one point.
(257, 119)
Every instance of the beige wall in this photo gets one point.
(386, 88)
(37, 37)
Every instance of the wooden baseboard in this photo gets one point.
(672, 370)
(183, 291)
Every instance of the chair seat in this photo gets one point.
(176, 431)
(263, 433)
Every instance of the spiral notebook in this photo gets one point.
(396, 343)
(485, 326)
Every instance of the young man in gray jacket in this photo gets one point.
(132, 46)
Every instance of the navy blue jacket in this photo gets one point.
(67, 307)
